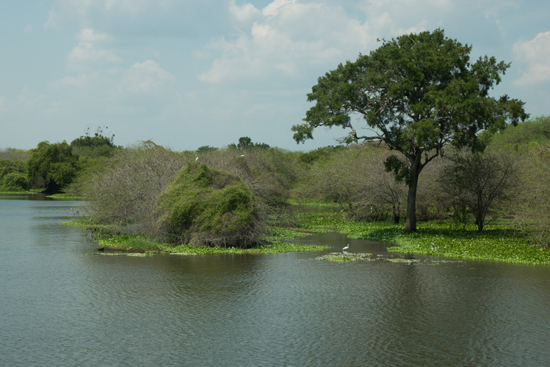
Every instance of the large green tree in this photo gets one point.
(55, 163)
(416, 93)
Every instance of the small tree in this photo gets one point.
(98, 145)
(246, 143)
(416, 93)
(55, 163)
(478, 181)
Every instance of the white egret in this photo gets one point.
(345, 248)
(196, 159)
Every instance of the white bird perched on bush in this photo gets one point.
(196, 159)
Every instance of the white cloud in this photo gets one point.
(272, 9)
(286, 39)
(244, 12)
(28, 28)
(71, 81)
(135, 19)
(144, 77)
(535, 53)
(89, 50)
(31, 101)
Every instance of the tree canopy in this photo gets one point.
(416, 93)
(98, 145)
(55, 163)
(246, 143)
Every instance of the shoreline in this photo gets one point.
(498, 242)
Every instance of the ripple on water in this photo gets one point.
(61, 307)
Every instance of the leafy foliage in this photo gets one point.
(13, 175)
(416, 93)
(126, 190)
(98, 145)
(527, 134)
(15, 181)
(319, 154)
(533, 203)
(499, 242)
(55, 163)
(246, 143)
(205, 206)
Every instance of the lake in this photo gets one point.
(60, 305)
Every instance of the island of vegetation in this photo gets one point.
(448, 170)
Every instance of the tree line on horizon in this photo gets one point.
(419, 95)
(352, 178)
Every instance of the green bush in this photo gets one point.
(208, 207)
(528, 134)
(15, 181)
(54, 163)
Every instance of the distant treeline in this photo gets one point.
(509, 180)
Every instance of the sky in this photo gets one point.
(190, 73)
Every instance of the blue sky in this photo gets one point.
(190, 73)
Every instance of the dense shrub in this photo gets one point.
(532, 207)
(530, 133)
(13, 175)
(54, 163)
(13, 154)
(479, 182)
(208, 207)
(268, 173)
(355, 179)
(125, 192)
(14, 181)
(98, 145)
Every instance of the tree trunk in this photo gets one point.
(410, 225)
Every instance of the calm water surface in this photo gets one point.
(62, 307)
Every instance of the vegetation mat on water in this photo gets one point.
(344, 257)
(66, 197)
(128, 242)
(498, 242)
(140, 243)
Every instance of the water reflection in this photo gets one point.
(60, 306)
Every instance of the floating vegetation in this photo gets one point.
(344, 257)
(133, 254)
(497, 242)
(401, 260)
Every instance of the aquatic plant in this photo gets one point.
(138, 242)
(498, 242)
(344, 257)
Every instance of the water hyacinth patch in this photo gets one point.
(136, 242)
(498, 242)
(344, 257)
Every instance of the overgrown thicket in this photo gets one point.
(270, 174)
(510, 180)
(125, 192)
(13, 170)
(462, 186)
(203, 206)
(141, 180)
(532, 209)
